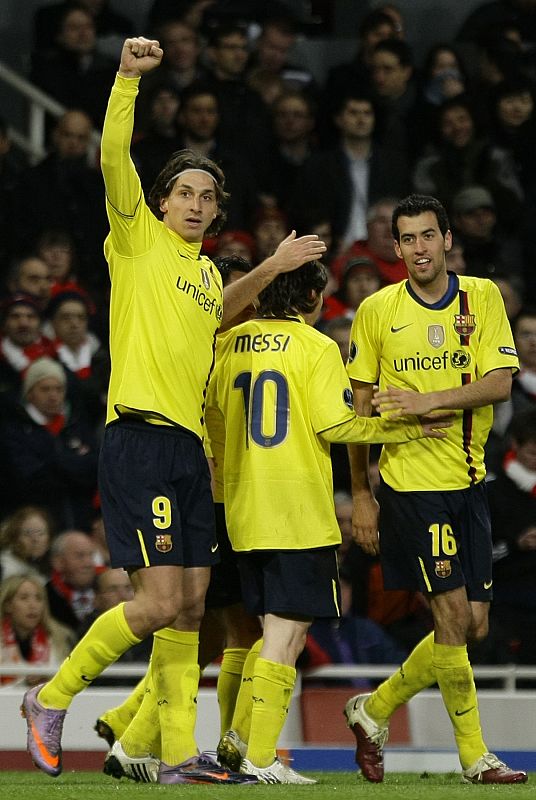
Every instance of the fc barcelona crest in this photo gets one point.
(464, 324)
(205, 278)
(443, 569)
(436, 335)
(163, 542)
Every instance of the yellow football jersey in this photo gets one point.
(166, 299)
(284, 393)
(398, 340)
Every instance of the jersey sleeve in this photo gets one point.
(132, 225)
(330, 394)
(372, 430)
(497, 349)
(364, 360)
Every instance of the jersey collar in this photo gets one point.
(443, 302)
(189, 249)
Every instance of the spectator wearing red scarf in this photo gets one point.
(27, 633)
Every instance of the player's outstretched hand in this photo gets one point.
(400, 402)
(138, 56)
(294, 251)
(433, 426)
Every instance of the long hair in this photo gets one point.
(165, 180)
(292, 292)
(9, 588)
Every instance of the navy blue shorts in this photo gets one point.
(224, 588)
(157, 507)
(303, 583)
(436, 541)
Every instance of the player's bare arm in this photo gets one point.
(138, 56)
(291, 253)
(366, 508)
(491, 388)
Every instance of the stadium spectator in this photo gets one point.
(462, 157)
(272, 52)
(512, 497)
(228, 52)
(378, 244)
(28, 635)
(66, 193)
(394, 91)
(235, 243)
(70, 590)
(158, 134)
(269, 228)
(21, 344)
(110, 26)
(293, 116)
(344, 79)
(25, 538)
(56, 248)
(416, 499)
(50, 449)
(487, 248)
(181, 67)
(31, 276)
(347, 178)
(73, 72)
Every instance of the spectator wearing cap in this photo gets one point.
(378, 245)
(361, 279)
(50, 450)
(21, 344)
(488, 249)
(235, 243)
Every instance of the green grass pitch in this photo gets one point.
(331, 786)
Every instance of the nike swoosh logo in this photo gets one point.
(214, 547)
(396, 330)
(52, 761)
(86, 679)
(488, 584)
(461, 713)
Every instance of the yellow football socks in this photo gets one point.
(120, 717)
(175, 674)
(142, 736)
(107, 639)
(242, 713)
(272, 689)
(415, 674)
(455, 679)
(228, 685)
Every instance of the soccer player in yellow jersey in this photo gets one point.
(285, 396)
(436, 341)
(166, 306)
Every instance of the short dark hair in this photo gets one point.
(291, 292)
(177, 163)
(399, 49)
(416, 204)
(227, 264)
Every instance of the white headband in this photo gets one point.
(190, 169)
